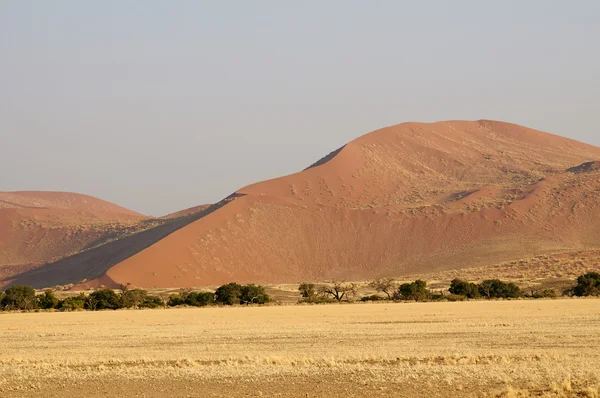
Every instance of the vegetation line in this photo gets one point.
(24, 298)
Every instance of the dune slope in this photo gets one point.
(36, 227)
(411, 198)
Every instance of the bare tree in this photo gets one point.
(384, 285)
(338, 290)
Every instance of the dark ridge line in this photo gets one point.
(325, 159)
(94, 263)
(587, 167)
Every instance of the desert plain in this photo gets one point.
(478, 348)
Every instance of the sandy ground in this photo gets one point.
(503, 348)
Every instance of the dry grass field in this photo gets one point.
(499, 348)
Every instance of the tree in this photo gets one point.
(47, 300)
(152, 302)
(384, 285)
(416, 291)
(253, 294)
(133, 298)
(72, 303)
(228, 294)
(199, 299)
(338, 290)
(105, 299)
(464, 288)
(307, 290)
(19, 298)
(588, 285)
(494, 288)
(175, 300)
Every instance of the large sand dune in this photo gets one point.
(36, 227)
(411, 198)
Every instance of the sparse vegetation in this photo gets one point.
(466, 289)
(416, 291)
(384, 285)
(19, 298)
(338, 290)
(47, 300)
(228, 294)
(587, 285)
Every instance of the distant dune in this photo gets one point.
(36, 227)
(411, 198)
(186, 212)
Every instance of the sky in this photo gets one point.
(163, 105)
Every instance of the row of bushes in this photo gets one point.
(587, 285)
(25, 298)
(229, 294)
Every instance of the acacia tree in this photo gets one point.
(19, 298)
(307, 290)
(384, 285)
(338, 290)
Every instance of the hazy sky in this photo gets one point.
(162, 105)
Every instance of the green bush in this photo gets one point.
(105, 299)
(228, 294)
(152, 302)
(199, 299)
(72, 303)
(307, 290)
(416, 291)
(19, 298)
(588, 285)
(253, 294)
(134, 298)
(47, 300)
(494, 288)
(463, 288)
(175, 300)
(455, 297)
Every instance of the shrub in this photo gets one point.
(463, 288)
(199, 299)
(105, 299)
(384, 285)
(373, 297)
(228, 294)
(307, 290)
(19, 298)
(152, 302)
(494, 288)
(47, 300)
(588, 285)
(338, 290)
(134, 298)
(416, 291)
(175, 300)
(455, 297)
(72, 303)
(253, 294)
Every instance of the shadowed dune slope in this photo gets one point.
(95, 261)
(36, 227)
(410, 198)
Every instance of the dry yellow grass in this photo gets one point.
(503, 348)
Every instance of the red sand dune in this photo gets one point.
(36, 227)
(411, 198)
